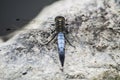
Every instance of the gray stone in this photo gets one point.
(94, 31)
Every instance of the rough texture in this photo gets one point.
(94, 31)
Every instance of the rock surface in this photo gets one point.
(94, 27)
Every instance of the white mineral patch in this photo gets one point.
(94, 27)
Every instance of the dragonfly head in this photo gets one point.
(60, 19)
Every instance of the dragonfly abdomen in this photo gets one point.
(61, 47)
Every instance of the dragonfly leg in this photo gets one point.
(52, 31)
(69, 42)
(55, 40)
(51, 39)
(66, 31)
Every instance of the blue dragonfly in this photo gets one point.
(60, 32)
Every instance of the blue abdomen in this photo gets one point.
(61, 42)
(61, 47)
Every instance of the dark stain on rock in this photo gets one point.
(24, 73)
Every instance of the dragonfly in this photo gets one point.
(60, 31)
